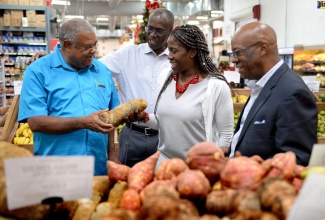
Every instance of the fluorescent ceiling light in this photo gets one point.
(102, 19)
(73, 16)
(193, 22)
(216, 12)
(202, 17)
(60, 2)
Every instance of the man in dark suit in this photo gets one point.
(281, 113)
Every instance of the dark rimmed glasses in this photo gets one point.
(159, 32)
(239, 52)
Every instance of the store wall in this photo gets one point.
(296, 22)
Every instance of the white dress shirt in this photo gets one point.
(136, 69)
(256, 87)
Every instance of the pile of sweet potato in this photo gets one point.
(204, 186)
(207, 185)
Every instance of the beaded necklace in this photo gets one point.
(182, 88)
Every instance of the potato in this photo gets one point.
(142, 173)
(242, 173)
(207, 157)
(160, 188)
(277, 195)
(117, 172)
(193, 184)
(118, 115)
(170, 168)
(130, 200)
(116, 193)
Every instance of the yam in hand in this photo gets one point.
(118, 115)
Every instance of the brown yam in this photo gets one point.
(160, 188)
(130, 200)
(142, 173)
(277, 195)
(117, 171)
(162, 207)
(118, 115)
(207, 157)
(115, 194)
(220, 202)
(102, 209)
(121, 214)
(170, 168)
(193, 184)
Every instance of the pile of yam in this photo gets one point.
(206, 185)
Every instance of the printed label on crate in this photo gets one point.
(17, 87)
(31, 180)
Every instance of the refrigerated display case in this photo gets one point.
(286, 55)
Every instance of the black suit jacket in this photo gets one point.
(283, 118)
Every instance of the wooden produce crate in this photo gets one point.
(12, 124)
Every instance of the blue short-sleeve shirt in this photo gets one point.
(52, 88)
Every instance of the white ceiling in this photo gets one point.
(121, 13)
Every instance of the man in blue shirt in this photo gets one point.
(63, 94)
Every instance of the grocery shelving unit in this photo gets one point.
(8, 85)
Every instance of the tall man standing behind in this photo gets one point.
(136, 69)
(281, 113)
(63, 94)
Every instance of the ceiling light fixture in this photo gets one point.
(216, 12)
(193, 22)
(202, 17)
(74, 16)
(102, 19)
(60, 2)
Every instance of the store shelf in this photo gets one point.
(20, 43)
(24, 43)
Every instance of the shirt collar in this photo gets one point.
(60, 61)
(147, 49)
(261, 83)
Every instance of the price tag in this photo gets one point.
(31, 180)
(17, 87)
(311, 82)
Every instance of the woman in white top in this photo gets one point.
(194, 104)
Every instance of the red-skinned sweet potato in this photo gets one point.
(242, 173)
(170, 168)
(117, 171)
(142, 173)
(193, 184)
(130, 200)
(208, 158)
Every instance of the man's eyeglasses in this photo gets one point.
(87, 48)
(159, 32)
(239, 52)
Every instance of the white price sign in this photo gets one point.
(31, 180)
